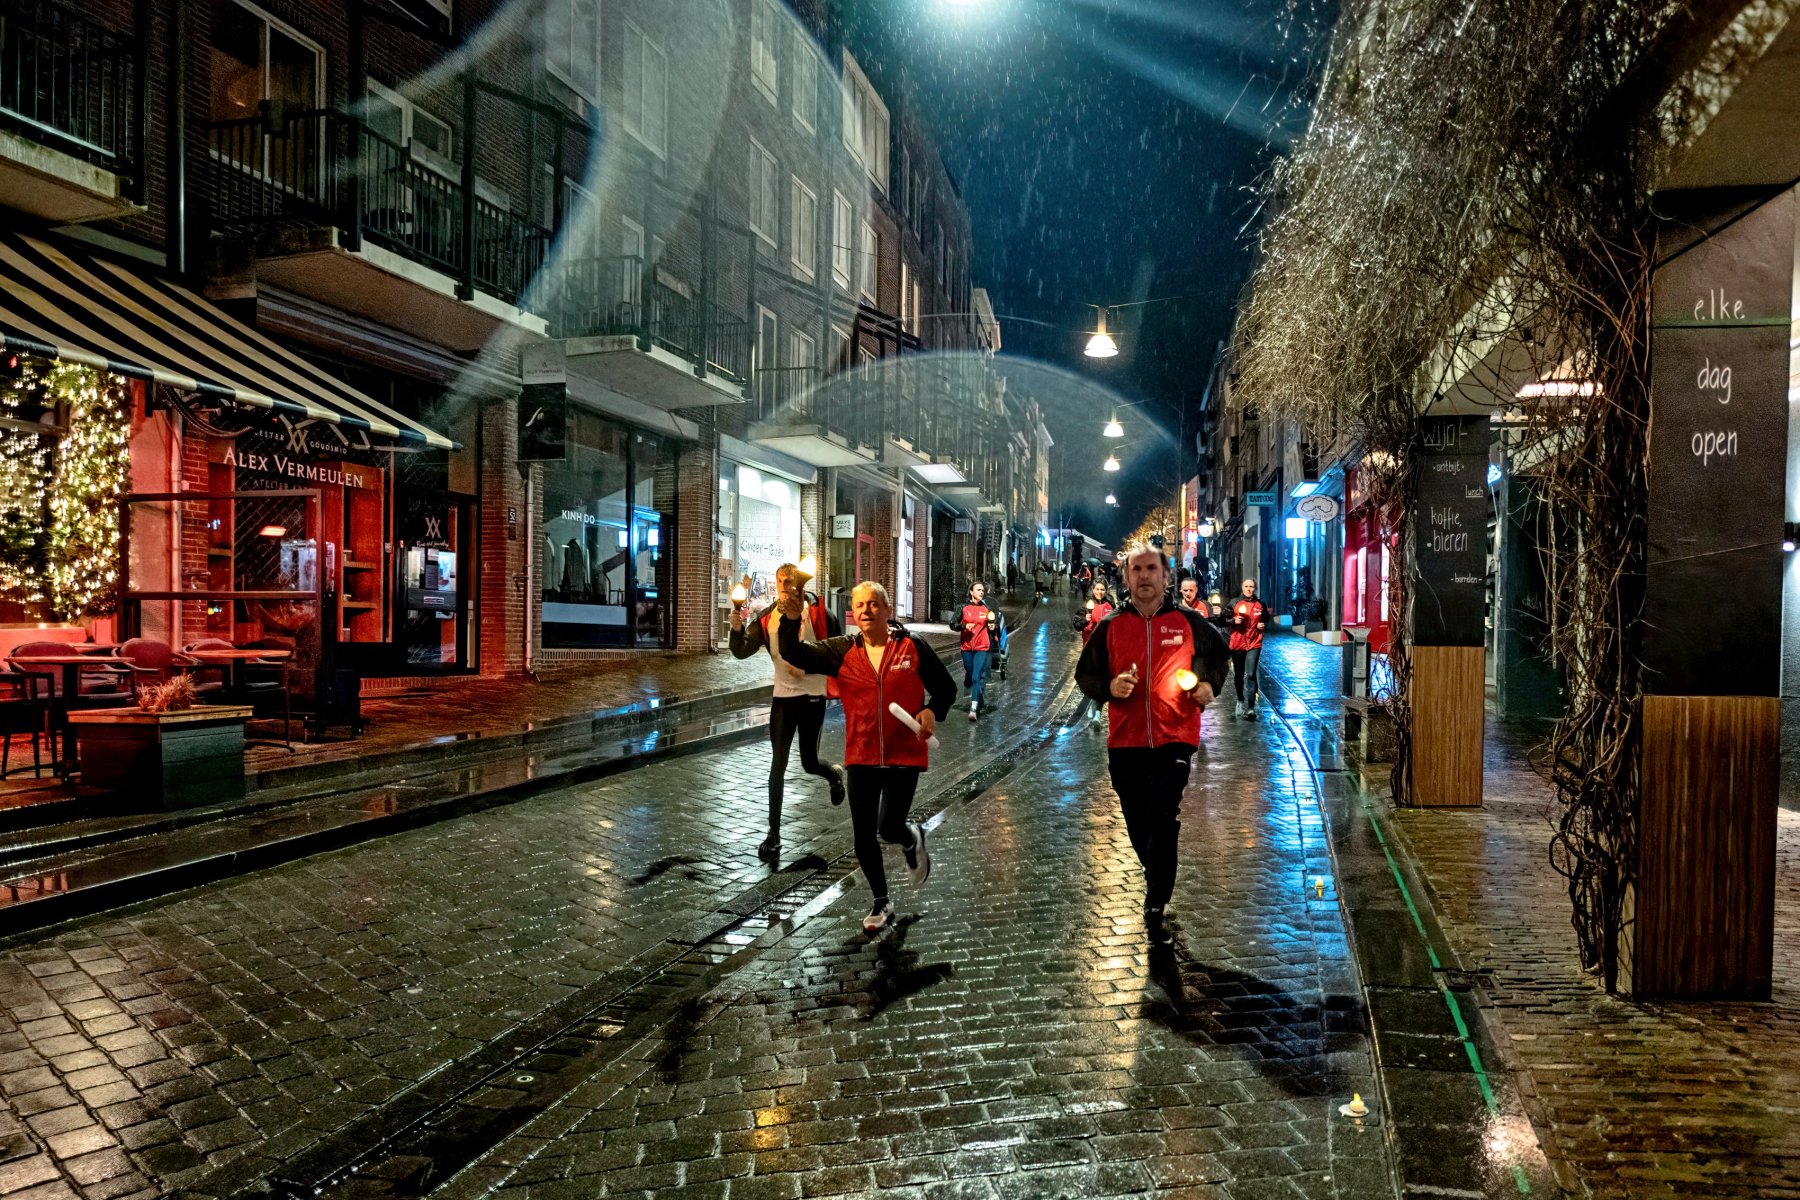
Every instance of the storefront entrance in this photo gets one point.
(432, 617)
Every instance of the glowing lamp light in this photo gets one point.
(1218, 601)
(1111, 463)
(1186, 680)
(272, 531)
(1113, 429)
(739, 595)
(1101, 345)
(808, 567)
(1112, 499)
(1206, 528)
(1090, 606)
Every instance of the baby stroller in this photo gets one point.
(999, 642)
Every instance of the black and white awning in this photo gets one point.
(89, 310)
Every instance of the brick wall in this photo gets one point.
(696, 508)
(501, 619)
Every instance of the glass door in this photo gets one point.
(432, 629)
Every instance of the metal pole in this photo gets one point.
(531, 591)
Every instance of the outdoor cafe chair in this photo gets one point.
(25, 711)
(152, 662)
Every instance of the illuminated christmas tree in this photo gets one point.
(87, 484)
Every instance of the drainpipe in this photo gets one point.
(175, 219)
(531, 593)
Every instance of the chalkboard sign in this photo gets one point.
(1449, 533)
(1718, 453)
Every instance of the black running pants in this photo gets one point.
(1149, 783)
(880, 803)
(790, 715)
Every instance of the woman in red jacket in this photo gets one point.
(1099, 607)
(876, 666)
(977, 621)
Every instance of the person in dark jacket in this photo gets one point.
(798, 705)
(1156, 666)
(878, 665)
(1099, 607)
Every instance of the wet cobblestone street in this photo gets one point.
(1009, 1036)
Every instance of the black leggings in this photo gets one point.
(880, 801)
(789, 715)
(1150, 783)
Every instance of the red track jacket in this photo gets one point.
(1158, 713)
(873, 737)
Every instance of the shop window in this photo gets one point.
(608, 538)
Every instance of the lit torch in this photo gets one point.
(1186, 680)
(807, 567)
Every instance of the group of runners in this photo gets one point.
(1152, 661)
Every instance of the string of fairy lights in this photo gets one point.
(59, 497)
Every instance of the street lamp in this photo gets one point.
(1113, 428)
(1111, 463)
(1112, 499)
(1100, 343)
(1206, 527)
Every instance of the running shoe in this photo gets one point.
(880, 913)
(1155, 928)
(769, 847)
(1250, 713)
(837, 784)
(1240, 709)
(974, 707)
(918, 858)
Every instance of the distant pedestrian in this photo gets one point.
(1190, 596)
(1099, 607)
(977, 623)
(798, 706)
(1156, 666)
(878, 666)
(1249, 618)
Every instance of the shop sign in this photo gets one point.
(1317, 508)
(1719, 369)
(843, 525)
(963, 525)
(543, 403)
(1261, 499)
(292, 468)
(1449, 602)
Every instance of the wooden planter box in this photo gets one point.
(164, 760)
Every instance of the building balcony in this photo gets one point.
(71, 114)
(831, 422)
(624, 326)
(342, 215)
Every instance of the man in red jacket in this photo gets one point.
(876, 666)
(798, 705)
(1249, 617)
(1099, 606)
(1136, 663)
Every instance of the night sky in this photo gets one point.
(1106, 149)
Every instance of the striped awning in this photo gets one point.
(89, 310)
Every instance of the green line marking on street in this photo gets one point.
(1462, 1028)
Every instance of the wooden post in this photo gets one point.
(1702, 915)
(1449, 592)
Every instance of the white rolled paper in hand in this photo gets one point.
(906, 719)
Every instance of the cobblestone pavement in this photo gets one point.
(1632, 1099)
(144, 1052)
(1011, 1035)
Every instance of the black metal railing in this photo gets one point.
(295, 168)
(72, 84)
(598, 297)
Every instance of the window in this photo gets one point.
(767, 383)
(867, 259)
(906, 317)
(646, 90)
(765, 68)
(806, 82)
(253, 59)
(841, 255)
(865, 123)
(631, 256)
(803, 230)
(572, 45)
(802, 350)
(765, 200)
(396, 119)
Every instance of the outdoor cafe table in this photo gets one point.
(71, 665)
(239, 661)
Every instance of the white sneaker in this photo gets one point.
(973, 707)
(1240, 709)
(879, 914)
(918, 859)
